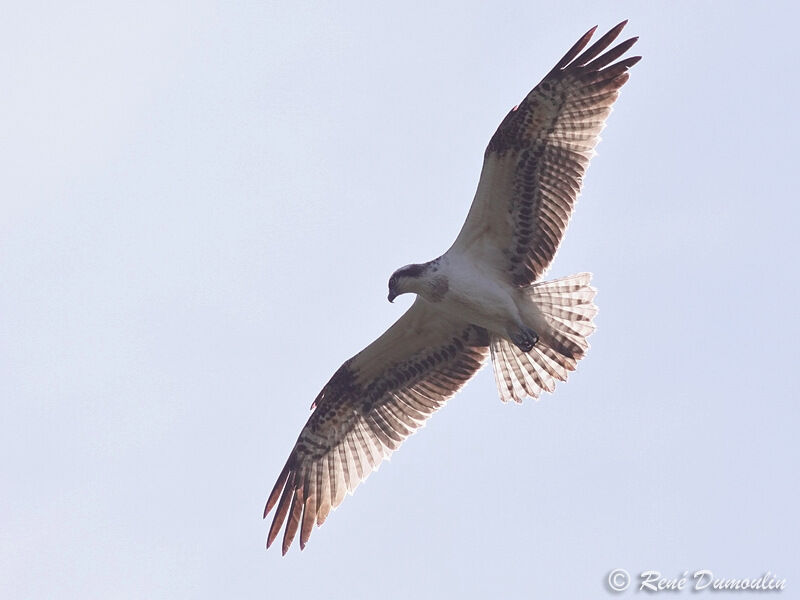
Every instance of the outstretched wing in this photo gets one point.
(535, 162)
(371, 404)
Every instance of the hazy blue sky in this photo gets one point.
(201, 207)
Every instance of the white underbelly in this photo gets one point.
(480, 300)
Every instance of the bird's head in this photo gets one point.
(406, 280)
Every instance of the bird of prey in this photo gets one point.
(483, 297)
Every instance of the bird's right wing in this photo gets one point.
(370, 405)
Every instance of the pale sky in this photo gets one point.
(201, 208)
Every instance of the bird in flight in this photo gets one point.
(483, 297)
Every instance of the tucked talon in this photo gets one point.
(525, 339)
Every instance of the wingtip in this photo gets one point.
(633, 60)
(620, 26)
(616, 29)
(270, 538)
(586, 37)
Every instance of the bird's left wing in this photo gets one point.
(370, 405)
(533, 167)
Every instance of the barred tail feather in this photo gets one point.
(567, 309)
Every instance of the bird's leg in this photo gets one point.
(524, 338)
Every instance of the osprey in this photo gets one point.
(483, 297)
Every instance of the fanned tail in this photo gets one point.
(567, 309)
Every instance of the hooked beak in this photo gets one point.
(392, 296)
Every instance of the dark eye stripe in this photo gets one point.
(411, 271)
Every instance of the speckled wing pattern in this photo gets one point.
(371, 404)
(534, 164)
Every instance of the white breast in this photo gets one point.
(477, 297)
